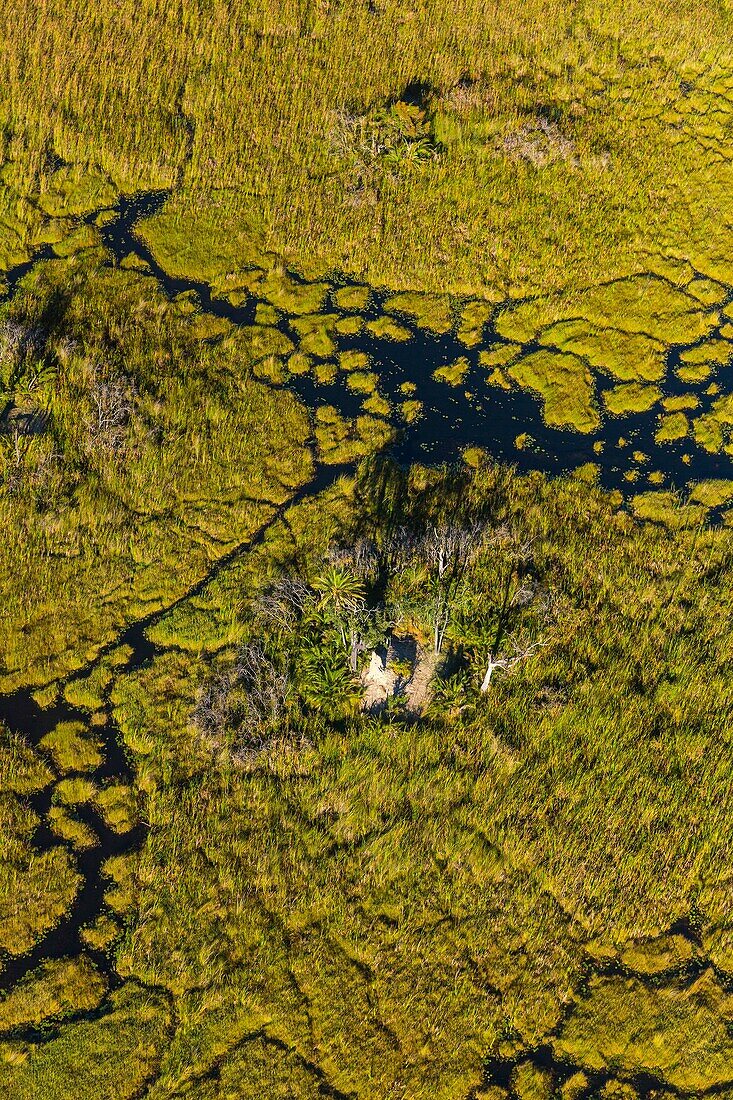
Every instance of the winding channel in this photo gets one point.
(22, 715)
(473, 414)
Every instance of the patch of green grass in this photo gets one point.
(384, 328)
(202, 245)
(76, 190)
(362, 381)
(708, 291)
(20, 226)
(411, 410)
(325, 372)
(74, 791)
(657, 956)
(453, 373)
(270, 369)
(679, 1035)
(695, 373)
(266, 314)
(352, 298)
(712, 493)
(84, 236)
(72, 748)
(642, 305)
(102, 934)
(56, 989)
(718, 352)
(626, 356)
(340, 440)
(377, 405)
(88, 691)
(315, 334)
(631, 398)
(122, 895)
(353, 360)
(499, 355)
(298, 363)
(290, 295)
(659, 506)
(69, 828)
(22, 771)
(564, 384)
(713, 430)
(531, 1082)
(36, 889)
(473, 320)
(431, 312)
(681, 402)
(349, 326)
(672, 427)
(119, 1052)
(117, 805)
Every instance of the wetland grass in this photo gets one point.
(356, 904)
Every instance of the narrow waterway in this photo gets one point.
(508, 424)
(22, 715)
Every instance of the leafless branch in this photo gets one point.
(284, 603)
(361, 558)
(111, 399)
(505, 664)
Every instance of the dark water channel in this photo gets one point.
(501, 1071)
(22, 714)
(475, 413)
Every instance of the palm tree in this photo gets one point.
(342, 598)
(326, 684)
(343, 601)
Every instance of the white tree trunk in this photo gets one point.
(486, 683)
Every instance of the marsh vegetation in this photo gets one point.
(343, 750)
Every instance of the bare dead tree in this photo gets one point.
(447, 547)
(27, 462)
(361, 558)
(264, 686)
(244, 704)
(111, 400)
(351, 137)
(284, 603)
(19, 341)
(520, 653)
(448, 550)
(213, 709)
(12, 336)
(540, 142)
